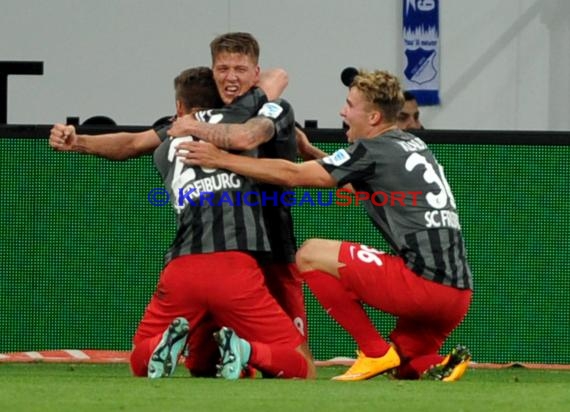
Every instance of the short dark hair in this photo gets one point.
(236, 42)
(408, 96)
(195, 88)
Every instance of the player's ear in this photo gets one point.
(375, 117)
(179, 108)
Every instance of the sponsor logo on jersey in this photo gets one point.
(337, 158)
(271, 110)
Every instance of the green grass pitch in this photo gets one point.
(50, 387)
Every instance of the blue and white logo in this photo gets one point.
(420, 68)
(337, 158)
(421, 49)
(271, 110)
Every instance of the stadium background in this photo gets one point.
(81, 247)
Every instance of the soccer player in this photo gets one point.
(426, 282)
(235, 63)
(211, 277)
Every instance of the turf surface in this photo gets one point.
(110, 387)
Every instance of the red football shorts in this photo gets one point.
(213, 290)
(427, 311)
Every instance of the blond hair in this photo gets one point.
(381, 89)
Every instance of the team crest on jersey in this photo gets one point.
(272, 110)
(337, 158)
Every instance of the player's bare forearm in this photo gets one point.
(117, 146)
(273, 82)
(114, 146)
(277, 171)
(311, 152)
(306, 150)
(244, 136)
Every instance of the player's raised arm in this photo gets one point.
(273, 82)
(113, 146)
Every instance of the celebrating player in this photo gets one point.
(211, 277)
(426, 283)
(235, 65)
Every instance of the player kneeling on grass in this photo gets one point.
(426, 283)
(211, 277)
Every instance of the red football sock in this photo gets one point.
(278, 361)
(343, 307)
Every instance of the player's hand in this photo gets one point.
(199, 153)
(273, 82)
(62, 137)
(182, 126)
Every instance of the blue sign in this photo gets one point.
(421, 50)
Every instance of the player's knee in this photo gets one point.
(319, 254)
(305, 255)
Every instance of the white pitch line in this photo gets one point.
(77, 354)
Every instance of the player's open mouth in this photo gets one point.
(231, 90)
